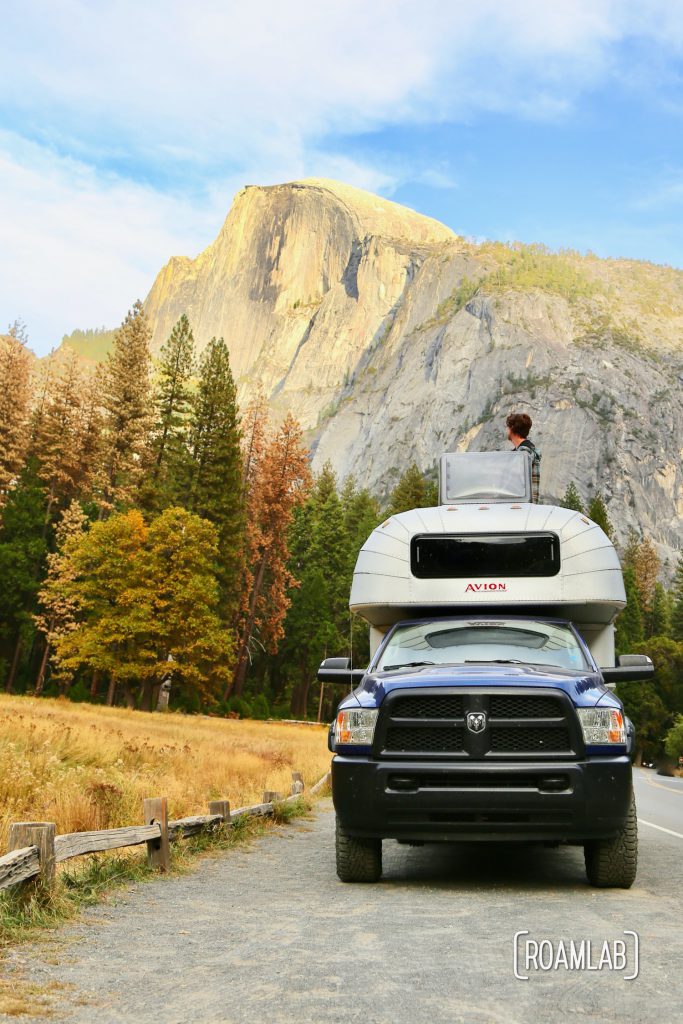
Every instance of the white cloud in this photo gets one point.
(78, 248)
(146, 118)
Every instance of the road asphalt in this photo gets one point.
(269, 934)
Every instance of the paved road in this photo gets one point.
(269, 934)
(660, 801)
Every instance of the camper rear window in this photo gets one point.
(479, 555)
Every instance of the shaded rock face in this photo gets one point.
(345, 308)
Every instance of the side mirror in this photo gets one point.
(629, 667)
(339, 671)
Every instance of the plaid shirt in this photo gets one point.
(535, 467)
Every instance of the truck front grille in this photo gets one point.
(434, 740)
(433, 724)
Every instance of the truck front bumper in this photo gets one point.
(571, 801)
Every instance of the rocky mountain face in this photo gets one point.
(393, 340)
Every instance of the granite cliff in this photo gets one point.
(393, 340)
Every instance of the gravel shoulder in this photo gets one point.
(268, 932)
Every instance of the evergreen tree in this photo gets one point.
(572, 499)
(172, 401)
(15, 396)
(649, 715)
(216, 487)
(410, 492)
(677, 602)
(310, 629)
(628, 559)
(23, 548)
(126, 400)
(630, 620)
(597, 512)
(659, 619)
(646, 567)
(673, 743)
(361, 516)
(326, 536)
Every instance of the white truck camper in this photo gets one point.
(485, 547)
(485, 712)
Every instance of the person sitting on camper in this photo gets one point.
(518, 426)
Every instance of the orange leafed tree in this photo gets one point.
(276, 480)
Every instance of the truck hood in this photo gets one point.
(584, 689)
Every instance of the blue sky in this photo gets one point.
(126, 128)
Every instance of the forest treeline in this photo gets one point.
(154, 536)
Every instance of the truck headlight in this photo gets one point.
(356, 726)
(602, 725)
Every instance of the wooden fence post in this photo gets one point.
(221, 807)
(158, 850)
(42, 835)
(297, 783)
(271, 797)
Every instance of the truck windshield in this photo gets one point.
(458, 642)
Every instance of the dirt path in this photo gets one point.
(269, 934)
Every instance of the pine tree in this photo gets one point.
(572, 499)
(216, 485)
(172, 400)
(628, 559)
(646, 567)
(630, 621)
(15, 395)
(23, 548)
(410, 492)
(659, 619)
(309, 626)
(677, 602)
(126, 401)
(597, 512)
(361, 516)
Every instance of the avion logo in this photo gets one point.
(474, 587)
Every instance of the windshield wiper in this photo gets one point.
(512, 661)
(408, 664)
(471, 661)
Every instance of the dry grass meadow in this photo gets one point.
(87, 767)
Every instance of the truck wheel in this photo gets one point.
(612, 863)
(358, 860)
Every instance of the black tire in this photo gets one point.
(358, 860)
(612, 863)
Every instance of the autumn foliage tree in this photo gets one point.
(66, 435)
(57, 600)
(276, 480)
(15, 397)
(143, 602)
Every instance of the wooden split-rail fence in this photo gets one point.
(35, 849)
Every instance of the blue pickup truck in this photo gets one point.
(487, 711)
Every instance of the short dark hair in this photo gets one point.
(519, 423)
